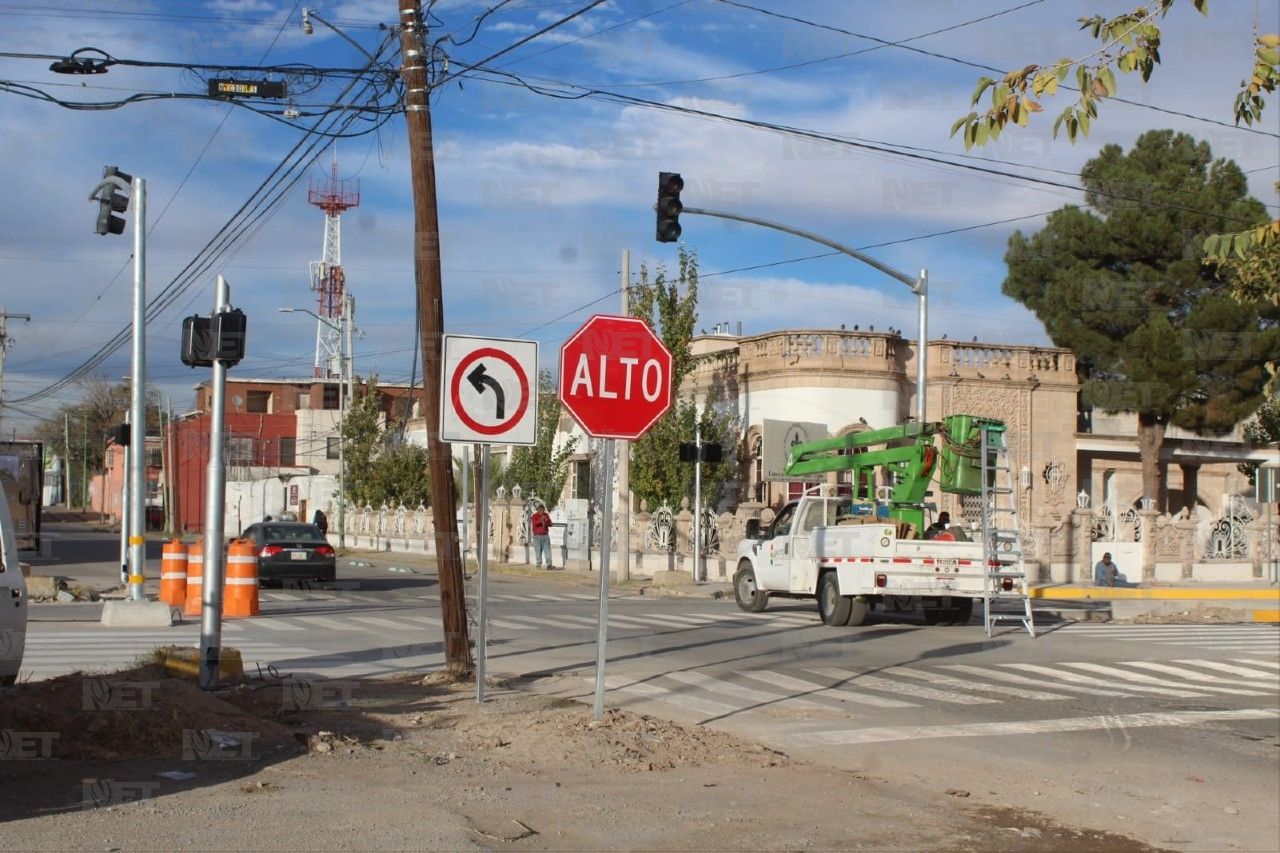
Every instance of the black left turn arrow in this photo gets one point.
(479, 379)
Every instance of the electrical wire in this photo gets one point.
(979, 66)
(508, 78)
(280, 181)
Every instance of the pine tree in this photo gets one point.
(1156, 331)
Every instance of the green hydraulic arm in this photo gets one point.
(911, 460)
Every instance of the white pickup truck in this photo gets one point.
(13, 600)
(816, 548)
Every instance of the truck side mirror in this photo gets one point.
(753, 528)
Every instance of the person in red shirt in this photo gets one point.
(540, 531)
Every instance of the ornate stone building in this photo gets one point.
(858, 380)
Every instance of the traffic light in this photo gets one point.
(111, 201)
(219, 337)
(121, 435)
(668, 207)
(712, 454)
(228, 333)
(197, 341)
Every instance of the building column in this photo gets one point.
(1190, 487)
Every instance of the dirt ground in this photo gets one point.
(301, 764)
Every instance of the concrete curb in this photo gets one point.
(1155, 593)
(136, 614)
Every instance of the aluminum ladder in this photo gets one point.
(1005, 573)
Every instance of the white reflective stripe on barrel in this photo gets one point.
(242, 582)
(172, 576)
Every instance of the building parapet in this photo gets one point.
(994, 361)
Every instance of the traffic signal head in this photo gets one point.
(668, 207)
(110, 202)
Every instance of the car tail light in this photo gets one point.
(270, 550)
(325, 550)
(1006, 584)
(882, 580)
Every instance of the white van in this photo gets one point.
(13, 601)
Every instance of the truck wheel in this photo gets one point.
(859, 610)
(832, 606)
(961, 610)
(749, 597)
(934, 612)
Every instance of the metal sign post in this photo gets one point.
(214, 501)
(482, 558)
(697, 505)
(615, 380)
(606, 545)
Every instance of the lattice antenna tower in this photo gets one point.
(333, 196)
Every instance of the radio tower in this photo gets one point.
(333, 196)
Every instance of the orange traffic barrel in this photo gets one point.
(240, 592)
(195, 578)
(173, 573)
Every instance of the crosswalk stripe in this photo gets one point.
(1246, 671)
(1065, 675)
(1267, 663)
(836, 691)
(941, 680)
(503, 623)
(1171, 629)
(651, 620)
(331, 624)
(277, 624)
(886, 685)
(1140, 678)
(580, 620)
(377, 622)
(844, 737)
(543, 623)
(543, 597)
(1183, 672)
(682, 700)
(1014, 678)
(720, 686)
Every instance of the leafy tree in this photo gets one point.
(670, 307)
(543, 467)
(362, 433)
(1156, 332)
(399, 476)
(1262, 431)
(380, 468)
(90, 421)
(1130, 42)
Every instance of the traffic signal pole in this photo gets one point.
(137, 400)
(214, 517)
(426, 256)
(919, 285)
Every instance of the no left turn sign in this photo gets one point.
(489, 390)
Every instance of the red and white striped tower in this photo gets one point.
(333, 196)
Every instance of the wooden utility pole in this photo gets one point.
(426, 263)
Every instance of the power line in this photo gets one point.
(523, 41)
(280, 181)
(845, 55)
(882, 148)
(979, 66)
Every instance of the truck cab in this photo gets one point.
(13, 601)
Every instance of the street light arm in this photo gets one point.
(919, 286)
(328, 323)
(914, 283)
(313, 14)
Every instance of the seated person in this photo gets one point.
(1107, 573)
(939, 527)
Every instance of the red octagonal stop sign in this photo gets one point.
(615, 377)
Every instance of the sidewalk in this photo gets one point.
(1255, 601)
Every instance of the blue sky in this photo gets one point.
(539, 196)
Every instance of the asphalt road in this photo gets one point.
(1168, 732)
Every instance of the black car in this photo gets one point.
(291, 550)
